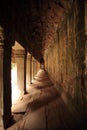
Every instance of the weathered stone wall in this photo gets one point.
(86, 17)
(65, 60)
(85, 77)
(1, 86)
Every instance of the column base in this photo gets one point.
(7, 121)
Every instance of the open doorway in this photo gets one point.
(16, 93)
(17, 72)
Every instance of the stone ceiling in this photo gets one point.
(33, 23)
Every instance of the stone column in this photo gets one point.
(28, 71)
(7, 82)
(1, 85)
(31, 69)
(25, 57)
(35, 67)
(5, 77)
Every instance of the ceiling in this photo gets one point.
(33, 23)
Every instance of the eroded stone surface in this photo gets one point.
(66, 60)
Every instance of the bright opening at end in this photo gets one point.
(16, 93)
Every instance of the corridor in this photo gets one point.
(44, 108)
(48, 35)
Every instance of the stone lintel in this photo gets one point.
(18, 53)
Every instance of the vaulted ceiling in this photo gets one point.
(33, 23)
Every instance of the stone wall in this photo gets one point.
(65, 60)
(85, 77)
(1, 86)
(85, 16)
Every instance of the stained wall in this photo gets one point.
(66, 60)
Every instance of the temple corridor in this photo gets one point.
(43, 64)
(45, 109)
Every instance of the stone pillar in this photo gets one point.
(35, 69)
(7, 82)
(25, 57)
(20, 70)
(31, 69)
(36, 66)
(28, 71)
(1, 85)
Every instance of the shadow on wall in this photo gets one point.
(74, 90)
(48, 96)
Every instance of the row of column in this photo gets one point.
(23, 61)
(25, 75)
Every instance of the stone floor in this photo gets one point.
(44, 109)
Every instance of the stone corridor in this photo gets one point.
(43, 108)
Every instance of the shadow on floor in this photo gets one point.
(46, 110)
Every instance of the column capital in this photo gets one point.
(18, 53)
